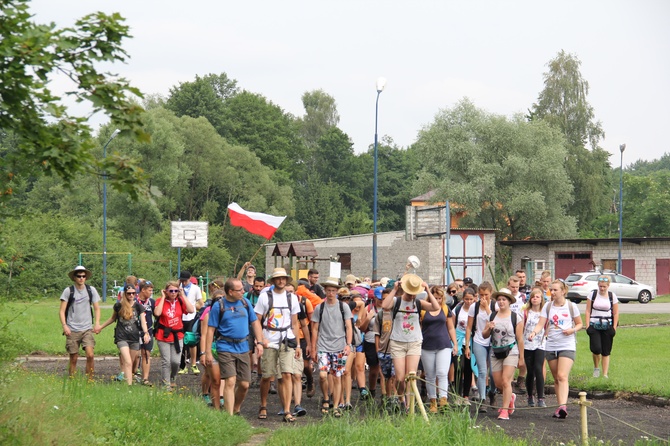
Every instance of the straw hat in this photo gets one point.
(279, 272)
(411, 284)
(331, 282)
(79, 269)
(505, 293)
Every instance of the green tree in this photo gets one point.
(50, 140)
(646, 205)
(563, 104)
(320, 116)
(504, 173)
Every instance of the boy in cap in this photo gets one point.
(80, 318)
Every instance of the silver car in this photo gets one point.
(626, 289)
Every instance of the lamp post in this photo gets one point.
(381, 83)
(622, 147)
(104, 219)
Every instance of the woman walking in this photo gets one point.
(533, 352)
(439, 337)
(131, 325)
(602, 320)
(564, 323)
(505, 328)
(169, 330)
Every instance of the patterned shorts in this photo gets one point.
(332, 362)
(386, 364)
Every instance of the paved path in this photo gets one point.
(637, 308)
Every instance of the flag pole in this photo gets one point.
(256, 253)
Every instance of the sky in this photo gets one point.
(432, 53)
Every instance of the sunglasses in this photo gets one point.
(603, 279)
(172, 291)
(451, 291)
(80, 276)
(130, 293)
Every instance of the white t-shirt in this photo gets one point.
(462, 322)
(559, 319)
(482, 319)
(538, 341)
(279, 317)
(193, 294)
(601, 305)
(504, 333)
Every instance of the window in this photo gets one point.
(345, 260)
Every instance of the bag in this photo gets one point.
(357, 338)
(191, 339)
(502, 352)
(603, 325)
(291, 343)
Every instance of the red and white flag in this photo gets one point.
(257, 223)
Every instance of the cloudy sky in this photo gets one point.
(433, 53)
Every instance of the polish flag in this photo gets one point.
(257, 223)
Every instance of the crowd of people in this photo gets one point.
(466, 341)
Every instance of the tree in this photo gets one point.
(320, 116)
(506, 174)
(563, 104)
(50, 140)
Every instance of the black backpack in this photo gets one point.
(222, 310)
(70, 301)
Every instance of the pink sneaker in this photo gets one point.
(503, 414)
(511, 404)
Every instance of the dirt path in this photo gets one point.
(639, 412)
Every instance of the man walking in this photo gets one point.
(228, 324)
(314, 287)
(194, 296)
(278, 312)
(331, 340)
(250, 276)
(80, 318)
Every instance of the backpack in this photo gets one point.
(271, 306)
(70, 301)
(222, 310)
(474, 321)
(167, 330)
(192, 336)
(323, 305)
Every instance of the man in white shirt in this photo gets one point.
(194, 296)
(278, 312)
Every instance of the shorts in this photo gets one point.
(298, 366)
(402, 349)
(234, 364)
(553, 355)
(512, 360)
(79, 339)
(149, 346)
(277, 361)
(386, 364)
(303, 347)
(135, 346)
(334, 363)
(370, 354)
(358, 349)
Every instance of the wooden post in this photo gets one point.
(584, 420)
(415, 395)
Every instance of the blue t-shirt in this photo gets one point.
(233, 325)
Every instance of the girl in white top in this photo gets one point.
(564, 323)
(602, 319)
(534, 350)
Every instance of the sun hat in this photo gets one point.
(78, 269)
(331, 282)
(384, 281)
(350, 279)
(411, 284)
(279, 272)
(414, 261)
(505, 293)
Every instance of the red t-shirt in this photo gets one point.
(170, 317)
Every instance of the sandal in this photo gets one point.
(337, 413)
(288, 418)
(263, 413)
(325, 407)
(148, 383)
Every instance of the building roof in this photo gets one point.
(588, 241)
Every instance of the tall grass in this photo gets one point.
(39, 409)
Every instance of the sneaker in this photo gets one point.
(365, 393)
(531, 401)
(511, 404)
(183, 371)
(207, 399)
(195, 370)
(503, 414)
(310, 391)
(480, 406)
(120, 377)
(138, 379)
(299, 411)
(492, 397)
(596, 372)
(562, 412)
(273, 388)
(605, 376)
(281, 413)
(541, 403)
(474, 393)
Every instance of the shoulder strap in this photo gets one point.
(609, 293)
(493, 315)
(344, 322)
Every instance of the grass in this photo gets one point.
(39, 409)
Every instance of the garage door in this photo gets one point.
(572, 262)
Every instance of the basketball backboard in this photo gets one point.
(189, 234)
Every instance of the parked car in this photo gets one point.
(626, 289)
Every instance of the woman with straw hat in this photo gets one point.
(406, 337)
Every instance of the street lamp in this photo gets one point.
(622, 147)
(381, 83)
(104, 219)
